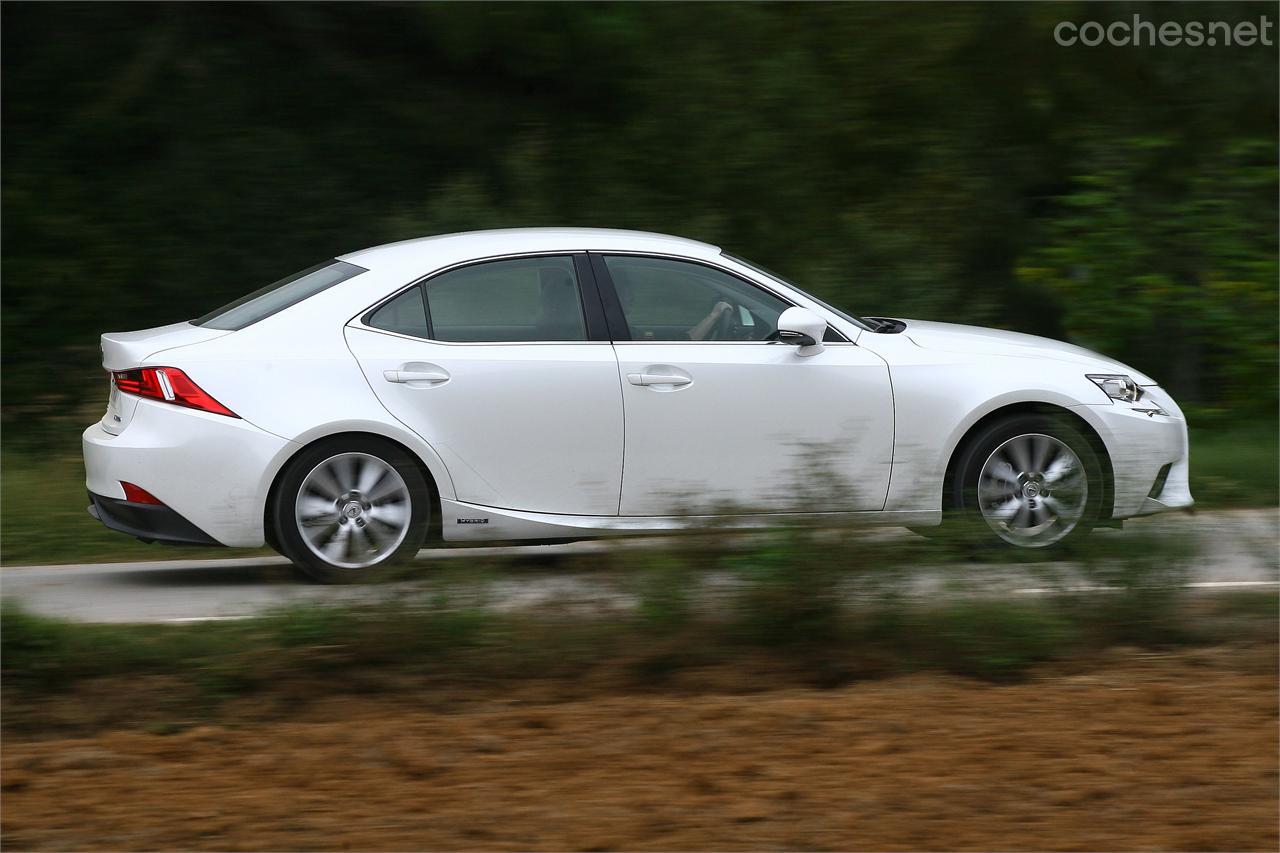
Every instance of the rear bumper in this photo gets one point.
(211, 471)
(149, 522)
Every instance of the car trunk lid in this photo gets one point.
(127, 350)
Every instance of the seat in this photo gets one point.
(560, 313)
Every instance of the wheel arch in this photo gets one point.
(433, 530)
(1085, 428)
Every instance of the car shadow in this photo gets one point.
(266, 574)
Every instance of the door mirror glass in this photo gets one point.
(803, 328)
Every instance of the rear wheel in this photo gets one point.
(1031, 480)
(347, 505)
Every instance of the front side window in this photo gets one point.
(524, 299)
(278, 296)
(832, 335)
(669, 300)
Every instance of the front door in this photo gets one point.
(494, 366)
(720, 418)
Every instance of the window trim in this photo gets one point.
(621, 331)
(588, 293)
(593, 276)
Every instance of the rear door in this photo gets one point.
(506, 369)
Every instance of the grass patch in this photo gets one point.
(1225, 464)
(993, 640)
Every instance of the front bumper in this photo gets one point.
(1140, 446)
(212, 471)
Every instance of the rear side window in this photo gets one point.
(276, 297)
(518, 300)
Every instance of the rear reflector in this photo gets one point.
(168, 385)
(138, 495)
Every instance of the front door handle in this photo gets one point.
(434, 377)
(644, 379)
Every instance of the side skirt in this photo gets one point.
(464, 522)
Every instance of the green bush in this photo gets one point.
(996, 640)
(52, 652)
(1134, 589)
(827, 605)
(789, 590)
(665, 591)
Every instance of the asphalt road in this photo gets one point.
(1239, 549)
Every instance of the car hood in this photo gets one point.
(952, 337)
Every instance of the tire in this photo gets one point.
(1029, 481)
(347, 505)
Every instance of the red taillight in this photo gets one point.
(138, 495)
(168, 385)
(144, 383)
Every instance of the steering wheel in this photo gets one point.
(725, 326)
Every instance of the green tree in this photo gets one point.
(160, 159)
(1172, 267)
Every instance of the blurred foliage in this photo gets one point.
(861, 615)
(790, 590)
(161, 159)
(1226, 464)
(996, 640)
(1189, 255)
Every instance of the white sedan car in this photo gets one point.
(552, 384)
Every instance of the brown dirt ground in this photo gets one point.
(1168, 752)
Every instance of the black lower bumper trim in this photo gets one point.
(148, 522)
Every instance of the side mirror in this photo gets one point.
(803, 328)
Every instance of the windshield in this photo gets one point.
(844, 315)
(278, 296)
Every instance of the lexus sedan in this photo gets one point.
(552, 384)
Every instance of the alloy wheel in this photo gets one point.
(1033, 490)
(353, 510)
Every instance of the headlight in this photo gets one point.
(1117, 387)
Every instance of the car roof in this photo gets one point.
(426, 253)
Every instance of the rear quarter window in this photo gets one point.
(404, 315)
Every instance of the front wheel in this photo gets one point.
(1032, 480)
(345, 506)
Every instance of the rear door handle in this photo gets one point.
(643, 379)
(434, 377)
